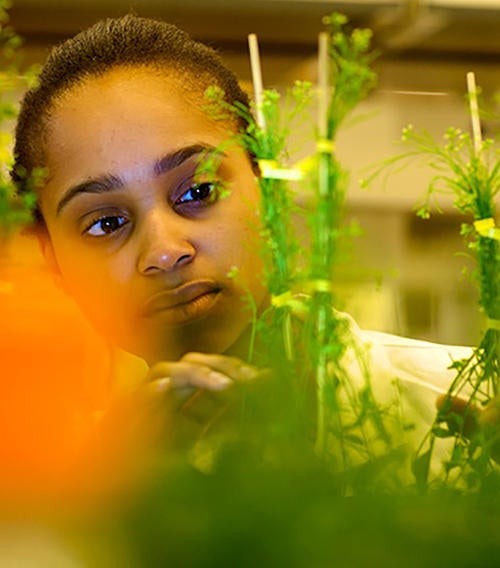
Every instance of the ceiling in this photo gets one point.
(450, 28)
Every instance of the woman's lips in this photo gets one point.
(184, 303)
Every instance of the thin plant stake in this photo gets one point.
(474, 112)
(272, 191)
(253, 47)
(322, 252)
(323, 83)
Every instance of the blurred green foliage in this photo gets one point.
(14, 210)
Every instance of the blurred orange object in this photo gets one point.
(56, 376)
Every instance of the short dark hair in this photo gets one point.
(113, 43)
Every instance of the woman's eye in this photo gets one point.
(106, 225)
(198, 192)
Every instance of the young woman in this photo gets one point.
(143, 243)
(141, 240)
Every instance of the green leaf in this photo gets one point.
(420, 468)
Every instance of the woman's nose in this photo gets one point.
(164, 246)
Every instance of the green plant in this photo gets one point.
(310, 347)
(14, 210)
(468, 168)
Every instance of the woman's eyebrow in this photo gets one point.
(174, 159)
(110, 182)
(101, 184)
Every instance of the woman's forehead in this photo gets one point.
(117, 118)
(132, 95)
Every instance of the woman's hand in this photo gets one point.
(196, 393)
(475, 421)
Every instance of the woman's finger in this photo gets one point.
(167, 376)
(238, 370)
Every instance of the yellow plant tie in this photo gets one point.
(297, 304)
(325, 146)
(307, 164)
(318, 285)
(282, 299)
(288, 299)
(486, 228)
(310, 163)
(493, 324)
(270, 169)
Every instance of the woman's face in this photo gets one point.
(141, 239)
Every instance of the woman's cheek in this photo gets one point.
(95, 283)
